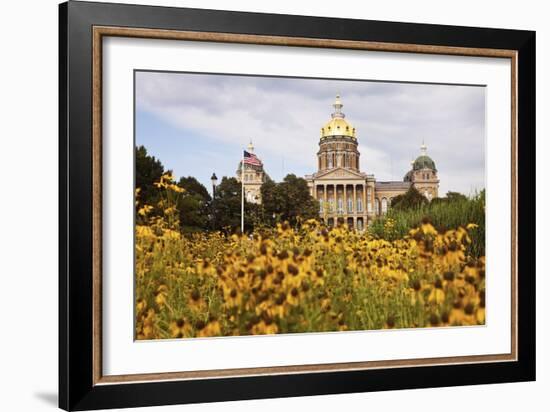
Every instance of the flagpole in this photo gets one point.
(242, 194)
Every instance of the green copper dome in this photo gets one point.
(424, 162)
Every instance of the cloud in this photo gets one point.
(283, 117)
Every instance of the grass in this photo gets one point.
(443, 215)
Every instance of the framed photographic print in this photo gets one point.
(257, 205)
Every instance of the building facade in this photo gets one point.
(349, 196)
(346, 195)
(253, 175)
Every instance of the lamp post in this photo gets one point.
(214, 180)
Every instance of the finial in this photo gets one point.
(250, 146)
(423, 148)
(338, 107)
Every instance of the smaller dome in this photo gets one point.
(424, 162)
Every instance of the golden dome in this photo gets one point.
(337, 126)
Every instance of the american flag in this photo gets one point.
(251, 159)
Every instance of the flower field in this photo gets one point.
(305, 279)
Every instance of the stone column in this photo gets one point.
(345, 201)
(325, 200)
(373, 198)
(355, 198)
(365, 209)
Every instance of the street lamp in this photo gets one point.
(214, 180)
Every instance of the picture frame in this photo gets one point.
(83, 27)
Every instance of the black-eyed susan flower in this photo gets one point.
(180, 328)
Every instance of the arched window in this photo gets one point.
(384, 205)
(376, 206)
(330, 161)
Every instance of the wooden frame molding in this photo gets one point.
(99, 32)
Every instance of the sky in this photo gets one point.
(198, 124)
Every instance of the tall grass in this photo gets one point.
(444, 215)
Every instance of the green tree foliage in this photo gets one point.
(271, 202)
(456, 197)
(148, 171)
(411, 199)
(193, 205)
(226, 206)
(450, 198)
(254, 217)
(288, 201)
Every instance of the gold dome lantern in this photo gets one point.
(337, 126)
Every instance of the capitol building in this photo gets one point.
(346, 194)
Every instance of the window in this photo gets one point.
(330, 161)
(359, 205)
(340, 205)
(376, 207)
(384, 205)
(350, 204)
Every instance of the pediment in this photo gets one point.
(338, 173)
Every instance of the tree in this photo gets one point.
(194, 205)
(289, 201)
(451, 197)
(411, 199)
(148, 171)
(456, 197)
(271, 202)
(226, 207)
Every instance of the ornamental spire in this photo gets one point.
(423, 148)
(338, 108)
(250, 147)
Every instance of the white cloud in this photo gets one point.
(284, 116)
